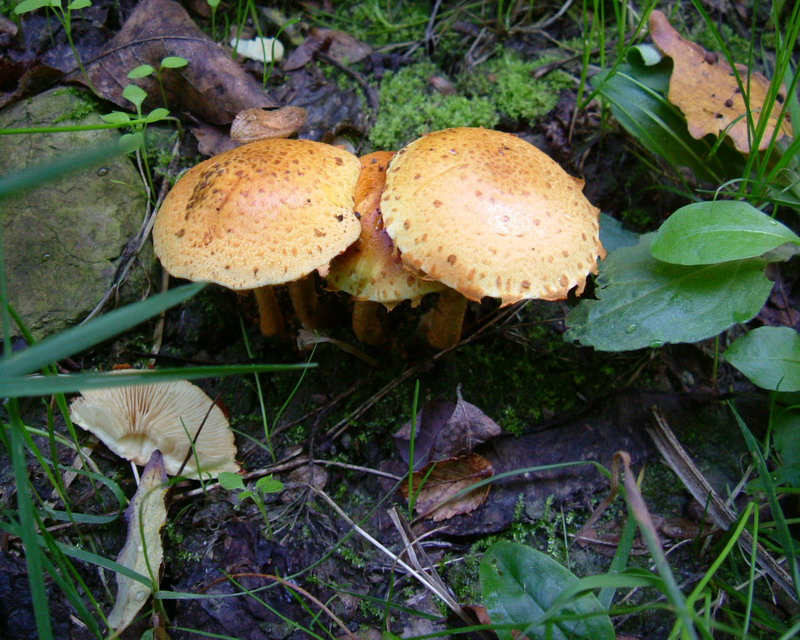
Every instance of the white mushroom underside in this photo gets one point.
(133, 421)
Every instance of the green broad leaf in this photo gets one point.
(116, 117)
(520, 585)
(134, 94)
(230, 481)
(650, 54)
(268, 484)
(26, 6)
(173, 62)
(769, 356)
(613, 235)
(636, 94)
(786, 432)
(131, 142)
(718, 231)
(157, 114)
(142, 71)
(75, 5)
(643, 302)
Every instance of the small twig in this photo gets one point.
(372, 95)
(679, 461)
(288, 464)
(288, 585)
(134, 246)
(430, 35)
(192, 449)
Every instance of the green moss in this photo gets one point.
(410, 108)
(85, 105)
(502, 87)
(508, 82)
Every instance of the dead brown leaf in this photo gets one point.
(704, 87)
(446, 430)
(256, 124)
(212, 86)
(338, 45)
(435, 499)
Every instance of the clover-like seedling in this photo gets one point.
(145, 70)
(260, 489)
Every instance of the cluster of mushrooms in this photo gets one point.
(464, 213)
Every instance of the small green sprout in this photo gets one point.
(64, 16)
(261, 488)
(145, 70)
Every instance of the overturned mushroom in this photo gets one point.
(371, 270)
(488, 214)
(133, 421)
(266, 213)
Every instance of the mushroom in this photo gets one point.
(135, 420)
(371, 270)
(488, 214)
(267, 213)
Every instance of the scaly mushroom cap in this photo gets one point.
(371, 269)
(135, 420)
(488, 214)
(265, 213)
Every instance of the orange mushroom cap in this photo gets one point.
(265, 213)
(489, 214)
(371, 269)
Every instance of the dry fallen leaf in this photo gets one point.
(704, 87)
(446, 430)
(143, 551)
(212, 85)
(256, 124)
(338, 45)
(446, 480)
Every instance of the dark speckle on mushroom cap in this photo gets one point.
(491, 215)
(264, 213)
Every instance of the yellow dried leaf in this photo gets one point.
(146, 514)
(449, 477)
(703, 86)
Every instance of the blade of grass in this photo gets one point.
(35, 176)
(781, 528)
(77, 339)
(17, 387)
(34, 559)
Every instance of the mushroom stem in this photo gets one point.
(303, 293)
(442, 324)
(270, 316)
(368, 318)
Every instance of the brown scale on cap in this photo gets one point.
(266, 213)
(490, 201)
(229, 219)
(371, 270)
(495, 201)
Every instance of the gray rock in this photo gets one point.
(63, 239)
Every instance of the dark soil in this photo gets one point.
(556, 402)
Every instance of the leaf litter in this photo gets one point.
(226, 538)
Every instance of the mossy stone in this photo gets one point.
(63, 239)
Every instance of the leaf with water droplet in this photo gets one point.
(721, 231)
(665, 302)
